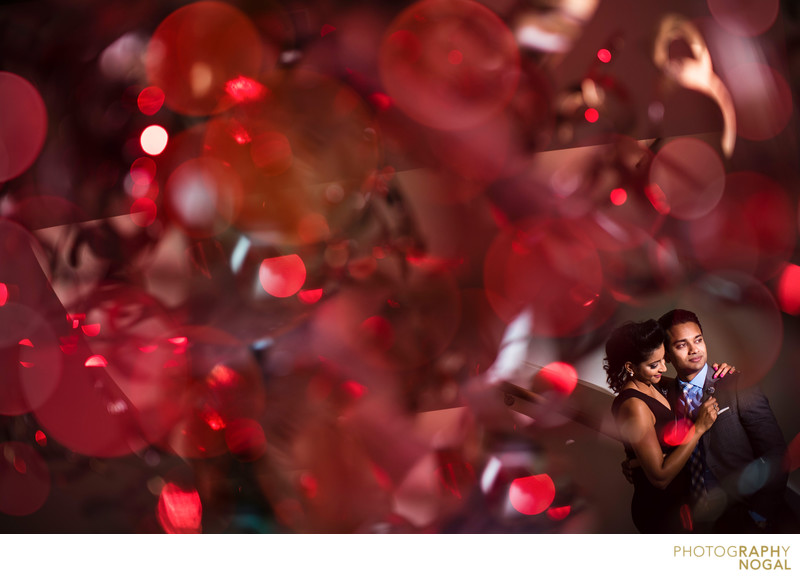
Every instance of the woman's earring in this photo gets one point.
(631, 373)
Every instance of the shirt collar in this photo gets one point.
(700, 379)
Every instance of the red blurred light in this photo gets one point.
(19, 465)
(212, 418)
(532, 495)
(604, 55)
(272, 153)
(591, 115)
(179, 511)
(41, 438)
(180, 343)
(686, 517)
(3, 294)
(619, 196)
(243, 89)
(354, 389)
(381, 101)
(788, 293)
(23, 125)
(25, 363)
(91, 329)
(143, 212)
(560, 376)
(24, 479)
(310, 296)
(240, 135)
(378, 331)
(197, 49)
(96, 361)
(455, 57)
(678, 432)
(327, 29)
(221, 376)
(150, 100)
(456, 477)
(558, 513)
(154, 140)
(657, 198)
(282, 276)
(309, 484)
(245, 438)
(143, 171)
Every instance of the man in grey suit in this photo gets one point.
(739, 477)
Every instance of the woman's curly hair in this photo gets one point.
(631, 342)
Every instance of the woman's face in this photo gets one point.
(651, 369)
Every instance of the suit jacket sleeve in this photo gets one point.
(769, 447)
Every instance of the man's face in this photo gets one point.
(686, 349)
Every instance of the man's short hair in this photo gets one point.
(675, 317)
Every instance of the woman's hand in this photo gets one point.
(722, 369)
(706, 415)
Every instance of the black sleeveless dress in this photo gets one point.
(655, 510)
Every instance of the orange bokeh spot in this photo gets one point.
(618, 196)
(678, 432)
(532, 495)
(150, 100)
(282, 276)
(560, 376)
(179, 510)
(154, 140)
(789, 290)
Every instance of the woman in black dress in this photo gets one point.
(634, 364)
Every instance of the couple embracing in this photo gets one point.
(703, 453)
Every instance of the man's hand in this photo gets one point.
(722, 369)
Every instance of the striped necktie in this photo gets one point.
(688, 404)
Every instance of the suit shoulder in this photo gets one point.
(728, 381)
